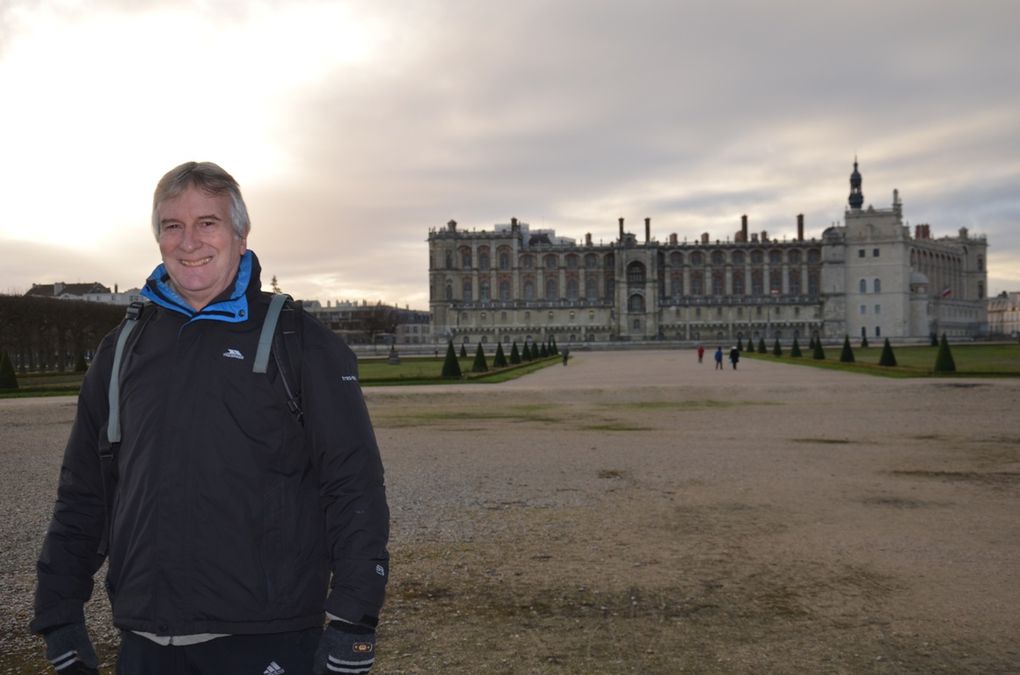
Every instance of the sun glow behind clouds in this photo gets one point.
(98, 105)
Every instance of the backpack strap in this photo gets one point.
(286, 351)
(108, 447)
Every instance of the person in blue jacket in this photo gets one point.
(241, 537)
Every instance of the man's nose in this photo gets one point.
(189, 239)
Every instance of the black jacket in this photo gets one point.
(229, 514)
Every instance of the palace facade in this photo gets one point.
(869, 276)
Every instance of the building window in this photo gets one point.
(591, 261)
(465, 258)
(864, 310)
(878, 331)
(527, 262)
(717, 257)
(449, 291)
(874, 252)
(635, 274)
(860, 253)
(449, 260)
(636, 303)
(504, 260)
(552, 291)
(483, 260)
(878, 309)
(572, 262)
(572, 290)
(483, 291)
(864, 286)
(504, 291)
(502, 316)
(591, 288)
(529, 290)
(878, 285)
(550, 262)
(980, 263)
(466, 288)
(775, 257)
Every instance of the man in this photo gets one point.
(237, 526)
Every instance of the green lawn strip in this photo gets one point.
(972, 360)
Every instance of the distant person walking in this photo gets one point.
(701, 352)
(718, 359)
(734, 357)
(566, 355)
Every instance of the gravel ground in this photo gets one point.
(640, 512)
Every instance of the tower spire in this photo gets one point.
(856, 196)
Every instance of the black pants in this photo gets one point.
(270, 654)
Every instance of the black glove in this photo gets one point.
(345, 648)
(70, 651)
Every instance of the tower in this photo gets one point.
(856, 196)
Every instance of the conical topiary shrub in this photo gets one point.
(761, 346)
(451, 366)
(463, 351)
(887, 358)
(740, 344)
(847, 355)
(933, 339)
(479, 365)
(817, 352)
(8, 380)
(553, 349)
(777, 350)
(944, 362)
(864, 342)
(515, 354)
(526, 354)
(795, 349)
(544, 351)
(499, 360)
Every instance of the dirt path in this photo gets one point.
(640, 512)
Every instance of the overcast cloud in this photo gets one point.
(355, 127)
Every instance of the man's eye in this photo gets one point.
(171, 226)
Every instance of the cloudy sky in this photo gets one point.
(354, 127)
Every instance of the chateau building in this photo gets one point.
(866, 277)
(1004, 315)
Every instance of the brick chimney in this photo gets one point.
(704, 238)
(621, 229)
(743, 226)
(648, 230)
(587, 239)
(800, 227)
(672, 239)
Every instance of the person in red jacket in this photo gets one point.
(241, 536)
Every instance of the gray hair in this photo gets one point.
(211, 179)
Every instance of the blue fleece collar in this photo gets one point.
(232, 309)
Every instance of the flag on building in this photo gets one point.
(946, 292)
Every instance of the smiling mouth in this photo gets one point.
(195, 263)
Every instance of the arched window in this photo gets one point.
(814, 256)
(864, 286)
(676, 282)
(466, 288)
(793, 281)
(738, 257)
(717, 257)
(697, 282)
(794, 257)
(449, 259)
(527, 262)
(591, 288)
(572, 289)
(775, 257)
(635, 274)
(551, 262)
(776, 280)
(878, 285)
(552, 289)
(449, 291)
(529, 290)
(738, 282)
(718, 283)
(504, 290)
(636, 303)
(483, 258)
(504, 260)
(697, 259)
(757, 257)
(465, 258)
(571, 262)
(591, 261)
(483, 291)
(676, 259)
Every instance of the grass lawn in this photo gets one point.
(411, 370)
(982, 360)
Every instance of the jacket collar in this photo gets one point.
(230, 306)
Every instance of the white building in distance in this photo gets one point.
(869, 277)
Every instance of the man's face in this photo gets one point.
(199, 248)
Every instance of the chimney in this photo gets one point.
(743, 226)
(754, 236)
(764, 235)
(672, 239)
(452, 225)
(621, 229)
(704, 237)
(587, 239)
(648, 230)
(922, 232)
(115, 288)
(800, 227)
